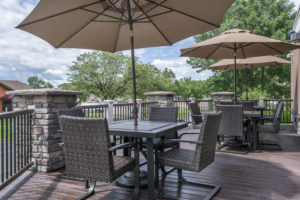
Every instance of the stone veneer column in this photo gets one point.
(46, 151)
(222, 96)
(164, 99)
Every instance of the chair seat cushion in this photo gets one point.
(178, 158)
(266, 129)
(122, 165)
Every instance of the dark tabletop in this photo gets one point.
(147, 129)
(250, 114)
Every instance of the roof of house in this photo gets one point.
(14, 85)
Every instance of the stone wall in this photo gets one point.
(46, 150)
(164, 99)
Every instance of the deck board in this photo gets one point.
(264, 175)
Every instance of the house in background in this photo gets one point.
(6, 100)
(295, 74)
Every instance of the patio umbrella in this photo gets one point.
(248, 63)
(237, 43)
(117, 25)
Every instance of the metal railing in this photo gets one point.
(15, 144)
(145, 109)
(207, 105)
(184, 112)
(95, 111)
(123, 111)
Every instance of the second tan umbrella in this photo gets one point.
(248, 63)
(237, 43)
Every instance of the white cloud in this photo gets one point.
(25, 54)
(181, 68)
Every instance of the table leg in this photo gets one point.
(150, 169)
(254, 133)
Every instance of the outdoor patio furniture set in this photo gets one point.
(242, 124)
(91, 156)
(89, 151)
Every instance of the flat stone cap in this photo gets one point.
(43, 92)
(159, 93)
(223, 93)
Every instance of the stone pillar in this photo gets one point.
(46, 151)
(164, 99)
(222, 96)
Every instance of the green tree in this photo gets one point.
(271, 18)
(148, 78)
(36, 83)
(99, 73)
(187, 88)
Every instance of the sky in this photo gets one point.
(23, 55)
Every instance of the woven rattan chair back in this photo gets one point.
(205, 152)
(277, 116)
(86, 143)
(74, 112)
(195, 110)
(232, 121)
(164, 114)
(248, 105)
(225, 103)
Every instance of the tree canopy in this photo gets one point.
(108, 76)
(271, 18)
(36, 83)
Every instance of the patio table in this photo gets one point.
(254, 116)
(260, 108)
(148, 130)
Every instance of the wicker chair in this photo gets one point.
(196, 115)
(232, 132)
(274, 128)
(88, 153)
(162, 114)
(270, 118)
(248, 105)
(194, 160)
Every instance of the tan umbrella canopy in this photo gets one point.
(116, 25)
(248, 63)
(237, 43)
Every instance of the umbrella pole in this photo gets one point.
(132, 63)
(235, 98)
(246, 79)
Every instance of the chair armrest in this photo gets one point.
(188, 133)
(122, 146)
(197, 115)
(180, 140)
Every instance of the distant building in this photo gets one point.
(6, 100)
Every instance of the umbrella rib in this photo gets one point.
(63, 42)
(102, 14)
(57, 14)
(155, 6)
(158, 14)
(280, 52)
(213, 52)
(119, 28)
(113, 5)
(243, 52)
(180, 12)
(164, 36)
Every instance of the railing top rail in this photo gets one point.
(278, 99)
(93, 106)
(123, 104)
(149, 102)
(15, 113)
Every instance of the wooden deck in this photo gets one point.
(258, 175)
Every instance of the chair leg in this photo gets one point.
(136, 192)
(181, 179)
(90, 192)
(216, 188)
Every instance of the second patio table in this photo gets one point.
(148, 130)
